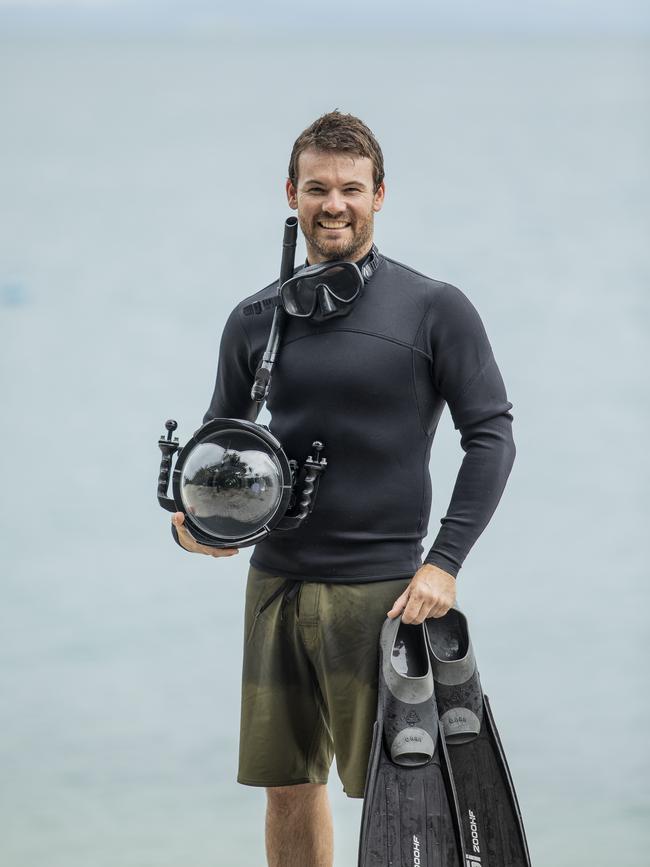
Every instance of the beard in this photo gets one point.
(348, 248)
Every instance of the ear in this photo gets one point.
(378, 200)
(292, 195)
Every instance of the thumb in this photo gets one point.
(399, 605)
(178, 519)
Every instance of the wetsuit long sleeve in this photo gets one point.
(231, 397)
(466, 374)
(489, 453)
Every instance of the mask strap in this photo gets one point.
(370, 265)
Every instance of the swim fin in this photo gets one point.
(493, 831)
(410, 813)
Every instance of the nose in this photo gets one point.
(334, 204)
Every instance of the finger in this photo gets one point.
(182, 530)
(178, 520)
(184, 533)
(415, 611)
(214, 551)
(412, 607)
(439, 609)
(399, 604)
(187, 540)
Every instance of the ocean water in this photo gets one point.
(141, 196)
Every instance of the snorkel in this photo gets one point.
(232, 480)
(263, 375)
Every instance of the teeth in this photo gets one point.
(333, 224)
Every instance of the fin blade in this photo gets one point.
(494, 732)
(491, 819)
(410, 819)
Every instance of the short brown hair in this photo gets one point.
(339, 132)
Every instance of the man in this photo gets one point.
(371, 385)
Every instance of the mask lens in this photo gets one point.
(342, 282)
(298, 297)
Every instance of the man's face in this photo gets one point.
(336, 203)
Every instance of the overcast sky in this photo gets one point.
(422, 16)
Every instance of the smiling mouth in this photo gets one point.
(333, 224)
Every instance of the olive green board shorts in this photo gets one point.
(309, 684)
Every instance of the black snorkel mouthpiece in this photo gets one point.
(262, 381)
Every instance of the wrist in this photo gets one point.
(440, 561)
(433, 569)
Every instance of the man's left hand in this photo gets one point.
(431, 593)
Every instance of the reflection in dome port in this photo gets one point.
(231, 484)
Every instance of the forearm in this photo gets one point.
(489, 455)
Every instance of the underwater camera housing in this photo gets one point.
(234, 483)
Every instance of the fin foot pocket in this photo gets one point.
(410, 813)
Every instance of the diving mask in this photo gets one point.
(322, 291)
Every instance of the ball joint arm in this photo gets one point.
(168, 446)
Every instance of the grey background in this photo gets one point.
(141, 196)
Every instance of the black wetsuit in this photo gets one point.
(371, 386)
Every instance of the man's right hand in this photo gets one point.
(188, 541)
